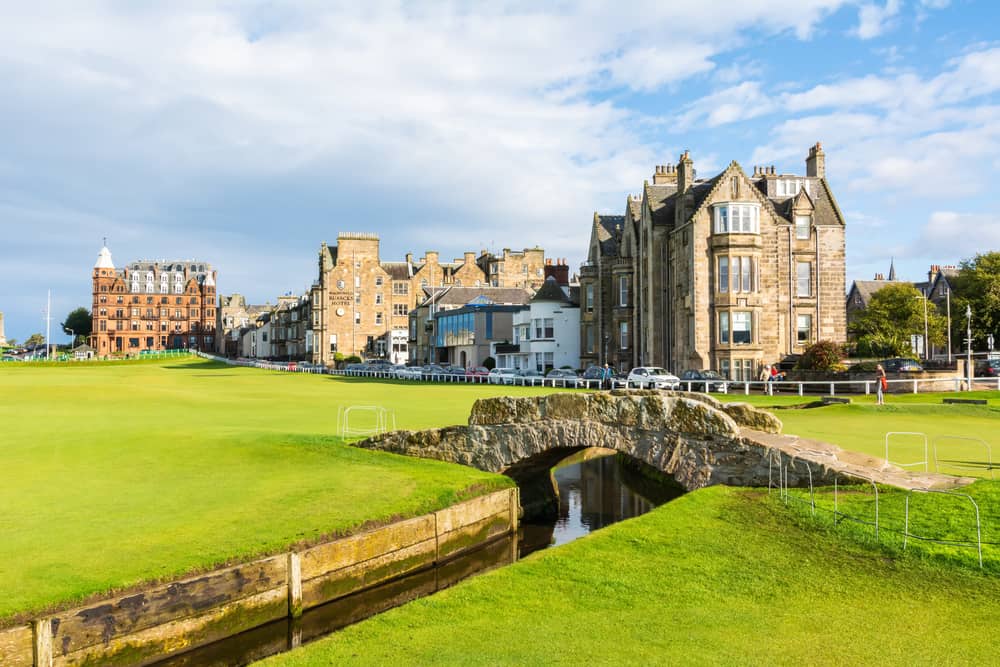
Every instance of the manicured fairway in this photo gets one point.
(117, 474)
(720, 576)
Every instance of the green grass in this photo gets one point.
(938, 517)
(861, 426)
(119, 473)
(716, 577)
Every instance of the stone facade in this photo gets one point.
(3, 338)
(233, 315)
(361, 304)
(727, 273)
(152, 305)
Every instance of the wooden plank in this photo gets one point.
(154, 643)
(349, 551)
(102, 622)
(368, 573)
(17, 646)
(472, 511)
(473, 535)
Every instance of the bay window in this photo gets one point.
(737, 219)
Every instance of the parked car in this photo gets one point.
(431, 371)
(652, 377)
(502, 376)
(593, 373)
(988, 368)
(477, 372)
(454, 370)
(563, 377)
(901, 366)
(702, 381)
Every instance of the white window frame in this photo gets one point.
(723, 274)
(803, 227)
(803, 279)
(732, 218)
(803, 322)
(623, 290)
(740, 317)
(623, 336)
(724, 327)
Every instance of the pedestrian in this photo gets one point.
(764, 377)
(883, 385)
(606, 377)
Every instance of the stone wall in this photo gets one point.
(145, 625)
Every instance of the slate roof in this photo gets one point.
(609, 232)
(662, 202)
(397, 270)
(502, 296)
(866, 288)
(551, 291)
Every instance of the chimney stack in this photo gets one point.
(665, 173)
(470, 258)
(409, 258)
(685, 172)
(816, 162)
(558, 270)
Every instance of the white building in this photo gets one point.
(546, 333)
(255, 340)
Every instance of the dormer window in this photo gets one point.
(789, 187)
(737, 219)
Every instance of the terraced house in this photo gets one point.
(725, 273)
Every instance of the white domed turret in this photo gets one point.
(104, 259)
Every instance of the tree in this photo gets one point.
(80, 322)
(977, 285)
(35, 339)
(894, 314)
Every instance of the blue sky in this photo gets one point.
(244, 134)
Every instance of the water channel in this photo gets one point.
(596, 489)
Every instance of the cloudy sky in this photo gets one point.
(244, 133)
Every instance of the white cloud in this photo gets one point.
(958, 235)
(874, 19)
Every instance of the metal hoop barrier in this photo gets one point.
(978, 544)
(966, 465)
(925, 463)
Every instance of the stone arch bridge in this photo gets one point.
(694, 438)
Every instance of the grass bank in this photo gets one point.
(117, 474)
(715, 577)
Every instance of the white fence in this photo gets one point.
(796, 387)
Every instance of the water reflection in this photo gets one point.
(594, 493)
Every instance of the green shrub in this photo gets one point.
(823, 355)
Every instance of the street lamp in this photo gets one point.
(72, 337)
(968, 352)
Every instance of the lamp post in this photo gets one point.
(72, 337)
(948, 301)
(968, 352)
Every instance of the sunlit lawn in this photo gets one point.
(114, 474)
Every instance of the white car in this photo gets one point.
(502, 376)
(407, 372)
(651, 377)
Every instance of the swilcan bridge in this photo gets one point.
(694, 438)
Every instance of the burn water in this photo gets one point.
(595, 490)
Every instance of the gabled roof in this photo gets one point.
(460, 296)
(661, 200)
(550, 291)
(866, 288)
(397, 270)
(608, 228)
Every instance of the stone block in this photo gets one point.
(747, 415)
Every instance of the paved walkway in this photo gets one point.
(856, 464)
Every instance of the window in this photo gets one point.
(400, 309)
(589, 296)
(724, 328)
(589, 344)
(803, 272)
(724, 368)
(357, 317)
(357, 297)
(742, 328)
(737, 219)
(804, 329)
(378, 318)
(723, 274)
(790, 187)
(378, 281)
(400, 288)
(547, 328)
(623, 336)
(802, 227)
(622, 290)
(378, 298)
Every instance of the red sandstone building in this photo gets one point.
(152, 305)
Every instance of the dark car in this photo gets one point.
(562, 377)
(901, 366)
(702, 381)
(593, 373)
(990, 368)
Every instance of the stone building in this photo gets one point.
(724, 273)
(3, 338)
(360, 304)
(456, 325)
(152, 305)
(232, 315)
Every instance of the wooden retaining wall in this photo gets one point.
(143, 627)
